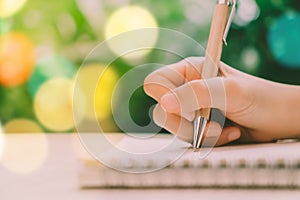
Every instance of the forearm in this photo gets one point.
(284, 108)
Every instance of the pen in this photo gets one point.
(218, 32)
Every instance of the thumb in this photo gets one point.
(191, 96)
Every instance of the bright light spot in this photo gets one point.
(247, 12)
(199, 12)
(17, 59)
(10, 7)
(126, 19)
(53, 104)
(250, 59)
(96, 83)
(21, 126)
(104, 92)
(24, 153)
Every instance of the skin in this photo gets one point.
(258, 110)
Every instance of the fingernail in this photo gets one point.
(169, 102)
(233, 136)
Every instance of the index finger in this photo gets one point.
(161, 81)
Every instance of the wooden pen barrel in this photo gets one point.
(214, 47)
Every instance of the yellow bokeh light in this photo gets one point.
(103, 94)
(21, 126)
(129, 18)
(96, 83)
(10, 7)
(53, 104)
(24, 153)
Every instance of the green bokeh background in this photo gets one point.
(41, 21)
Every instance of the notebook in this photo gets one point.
(252, 165)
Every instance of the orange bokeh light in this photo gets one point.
(17, 59)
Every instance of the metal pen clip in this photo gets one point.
(232, 4)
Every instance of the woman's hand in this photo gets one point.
(260, 110)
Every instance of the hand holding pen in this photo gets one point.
(260, 110)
